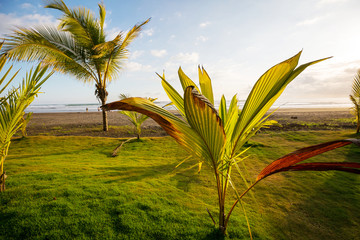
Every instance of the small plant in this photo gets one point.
(217, 138)
(137, 119)
(24, 123)
(355, 98)
(12, 108)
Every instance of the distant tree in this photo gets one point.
(13, 105)
(355, 98)
(77, 47)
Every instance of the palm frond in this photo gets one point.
(205, 84)
(264, 93)
(355, 98)
(356, 87)
(80, 23)
(173, 95)
(11, 111)
(116, 58)
(53, 48)
(102, 15)
(202, 116)
(133, 33)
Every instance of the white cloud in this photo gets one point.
(136, 54)
(309, 21)
(331, 80)
(9, 21)
(204, 24)
(148, 32)
(185, 60)
(158, 53)
(202, 39)
(323, 2)
(26, 5)
(135, 67)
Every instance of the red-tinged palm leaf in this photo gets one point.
(288, 161)
(351, 167)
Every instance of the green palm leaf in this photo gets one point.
(185, 80)
(205, 84)
(173, 95)
(264, 93)
(355, 98)
(12, 109)
(202, 116)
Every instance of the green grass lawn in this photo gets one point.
(70, 188)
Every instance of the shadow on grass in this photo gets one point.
(185, 179)
(330, 210)
(132, 174)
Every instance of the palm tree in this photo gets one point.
(355, 98)
(216, 137)
(13, 105)
(77, 47)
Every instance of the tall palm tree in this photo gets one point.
(77, 47)
(355, 98)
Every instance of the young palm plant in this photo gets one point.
(78, 47)
(137, 119)
(355, 98)
(214, 137)
(12, 107)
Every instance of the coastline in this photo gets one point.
(90, 123)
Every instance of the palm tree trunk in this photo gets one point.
(358, 122)
(221, 196)
(3, 155)
(105, 120)
(2, 182)
(104, 112)
(222, 218)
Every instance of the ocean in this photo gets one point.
(94, 107)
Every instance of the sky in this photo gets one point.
(236, 41)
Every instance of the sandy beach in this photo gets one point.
(90, 123)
